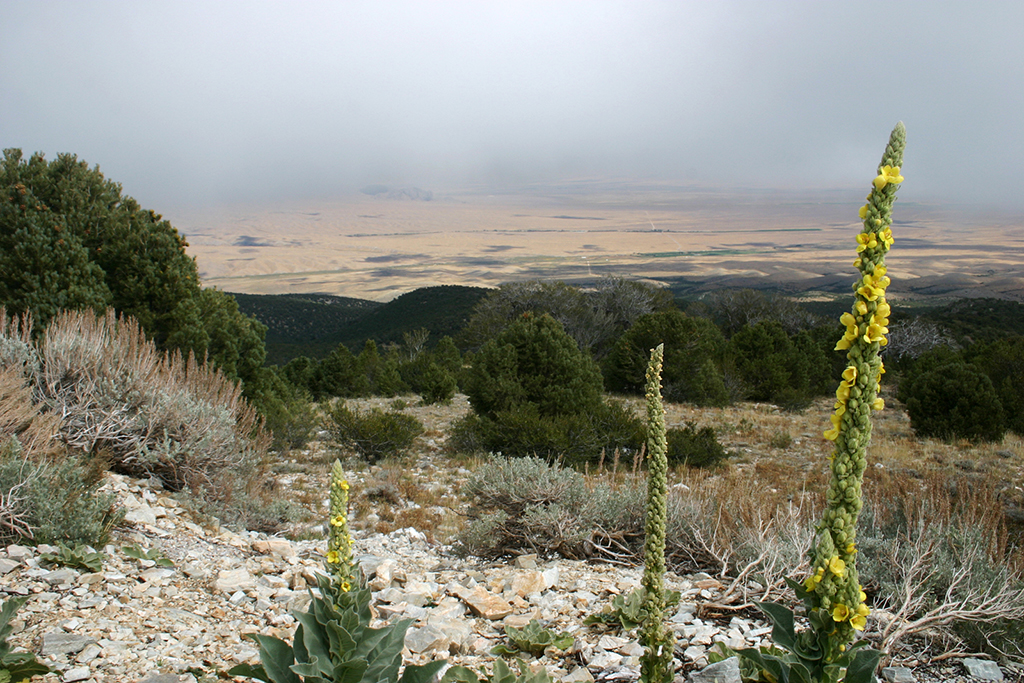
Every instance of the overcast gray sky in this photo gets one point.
(206, 102)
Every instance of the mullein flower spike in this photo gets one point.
(339, 543)
(833, 583)
(656, 662)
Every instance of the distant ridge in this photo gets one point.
(314, 324)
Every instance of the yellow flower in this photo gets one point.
(888, 174)
(887, 238)
(840, 613)
(878, 404)
(863, 596)
(875, 333)
(346, 586)
(812, 582)
(850, 374)
(858, 623)
(836, 566)
(863, 212)
(833, 434)
(870, 293)
(866, 240)
(337, 521)
(333, 557)
(840, 408)
(862, 308)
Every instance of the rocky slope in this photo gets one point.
(138, 619)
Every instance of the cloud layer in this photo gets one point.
(190, 103)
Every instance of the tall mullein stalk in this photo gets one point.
(833, 585)
(340, 563)
(656, 662)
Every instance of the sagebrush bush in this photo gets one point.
(110, 391)
(696, 447)
(53, 501)
(528, 505)
(935, 549)
(373, 434)
(955, 401)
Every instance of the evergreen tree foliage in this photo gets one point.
(439, 385)
(534, 392)
(534, 361)
(693, 354)
(775, 366)
(69, 239)
(44, 267)
(593, 317)
(955, 401)
(1003, 362)
(340, 374)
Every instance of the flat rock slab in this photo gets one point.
(898, 674)
(484, 604)
(57, 643)
(233, 580)
(983, 669)
(725, 671)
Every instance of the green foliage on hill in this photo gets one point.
(441, 310)
(975, 320)
(313, 325)
(303, 324)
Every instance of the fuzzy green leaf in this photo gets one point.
(277, 658)
(421, 674)
(246, 671)
(862, 668)
(316, 644)
(461, 674)
(783, 627)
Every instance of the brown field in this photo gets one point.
(377, 248)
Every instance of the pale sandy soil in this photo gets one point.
(377, 248)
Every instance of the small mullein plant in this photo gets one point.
(656, 661)
(334, 642)
(339, 542)
(832, 595)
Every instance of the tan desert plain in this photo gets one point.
(378, 246)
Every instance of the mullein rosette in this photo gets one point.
(833, 587)
(339, 543)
